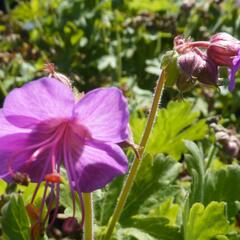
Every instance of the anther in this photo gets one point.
(21, 178)
(53, 178)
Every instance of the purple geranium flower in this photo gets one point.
(42, 127)
(233, 70)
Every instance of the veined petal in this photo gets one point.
(6, 128)
(233, 71)
(105, 113)
(24, 152)
(40, 100)
(11, 155)
(96, 164)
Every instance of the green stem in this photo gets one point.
(88, 225)
(137, 161)
(2, 89)
(119, 57)
(212, 153)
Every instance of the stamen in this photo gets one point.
(69, 161)
(40, 180)
(43, 200)
(66, 163)
(57, 205)
(50, 203)
(49, 143)
(36, 231)
(37, 227)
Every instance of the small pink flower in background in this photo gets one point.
(42, 127)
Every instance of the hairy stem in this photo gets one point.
(88, 224)
(137, 161)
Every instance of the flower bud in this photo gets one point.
(232, 148)
(222, 36)
(208, 73)
(223, 48)
(222, 136)
(190, 65)
(229, 140)
(71, 225)
(184, 83)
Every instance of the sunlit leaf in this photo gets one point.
(173, 125)
(167, 209)
(206, 223)
(158, 228)
(15, 222)
(221, 185)
(3, 186)
(154, 182)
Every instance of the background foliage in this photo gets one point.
(184, 190)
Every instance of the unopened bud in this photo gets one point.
(184, 83)
(71, 225)
(232, 148)
(222, 137)
(190, 65)
(223, 48)
(208, 73)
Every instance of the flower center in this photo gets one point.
(52, 144)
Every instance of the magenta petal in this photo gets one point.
(40, 100)
(105, 113)
(39, 168)
(6, 128)
(16, 154)
(233, 71)
(99, 164)
(10, 157)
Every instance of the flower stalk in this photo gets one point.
(88, 222)
(137, 161)
(3, 90)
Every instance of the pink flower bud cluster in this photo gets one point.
(199, 61)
